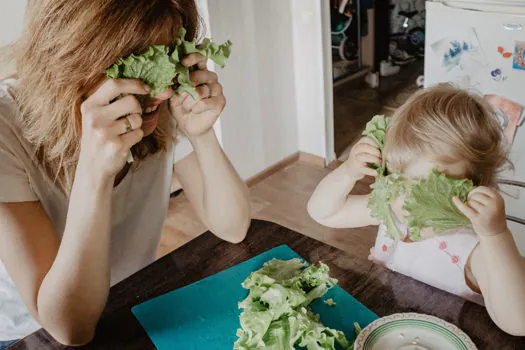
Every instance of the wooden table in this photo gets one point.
(381, 290)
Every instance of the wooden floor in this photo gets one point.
(280, 198)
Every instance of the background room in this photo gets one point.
(312, 79)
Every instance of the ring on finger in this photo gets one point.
(208, 93)
(129, 127)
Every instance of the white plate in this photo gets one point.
(412, 331)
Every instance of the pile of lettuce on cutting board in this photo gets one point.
(428, 202)
(276, 312)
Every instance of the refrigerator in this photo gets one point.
(480, 45)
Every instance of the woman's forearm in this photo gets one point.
(331, 194)
(74, 292)
(226, 202)
(505, 288)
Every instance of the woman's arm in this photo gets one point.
(65, 283)
(331, 204)
(74, 291)
(212, 185)
(214, 189)
(497, 266)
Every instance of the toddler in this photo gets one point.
(455, 133)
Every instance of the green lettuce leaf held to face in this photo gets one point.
(217, 53)
(276, 314)
(153, 67)
(160, 66)
(376, 130)
(429, 204)
(387, 187)
(385, 190)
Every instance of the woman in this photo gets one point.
(75, 216)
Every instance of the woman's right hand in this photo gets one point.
(364, 152)
(105, 142)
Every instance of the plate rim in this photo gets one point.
(365, 333)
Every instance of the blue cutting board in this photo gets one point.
(204, 315)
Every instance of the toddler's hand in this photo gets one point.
(486, 210)
(364, 152)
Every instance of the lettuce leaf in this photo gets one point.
(376, 130)
(160, 66)
(330, 302)
(316, 336)
(429, 204)
(153, 67)
(217, 53)
(279, 335)
(385, 190)
(276, 314)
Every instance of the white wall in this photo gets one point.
(328, 83)
(11, 20)
(308, 68)
(273, 82)
(259, 124)
(11, 23)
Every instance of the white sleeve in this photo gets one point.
(182, 148)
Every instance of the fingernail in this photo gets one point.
(147, 88)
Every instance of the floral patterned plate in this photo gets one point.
(411, 331)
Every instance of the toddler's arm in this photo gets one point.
(331, 204)
(496, 263)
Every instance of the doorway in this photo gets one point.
(388, 68)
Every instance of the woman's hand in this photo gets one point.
(213, 187)
(486, 210)
(196, 117)
(364, 152)
(109, 130)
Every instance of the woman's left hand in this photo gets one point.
(196, 117)
(486, 210)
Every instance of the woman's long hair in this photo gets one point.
(62, 54)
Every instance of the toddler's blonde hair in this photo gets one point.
(449, 125)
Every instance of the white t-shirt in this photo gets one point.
(140, 204)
